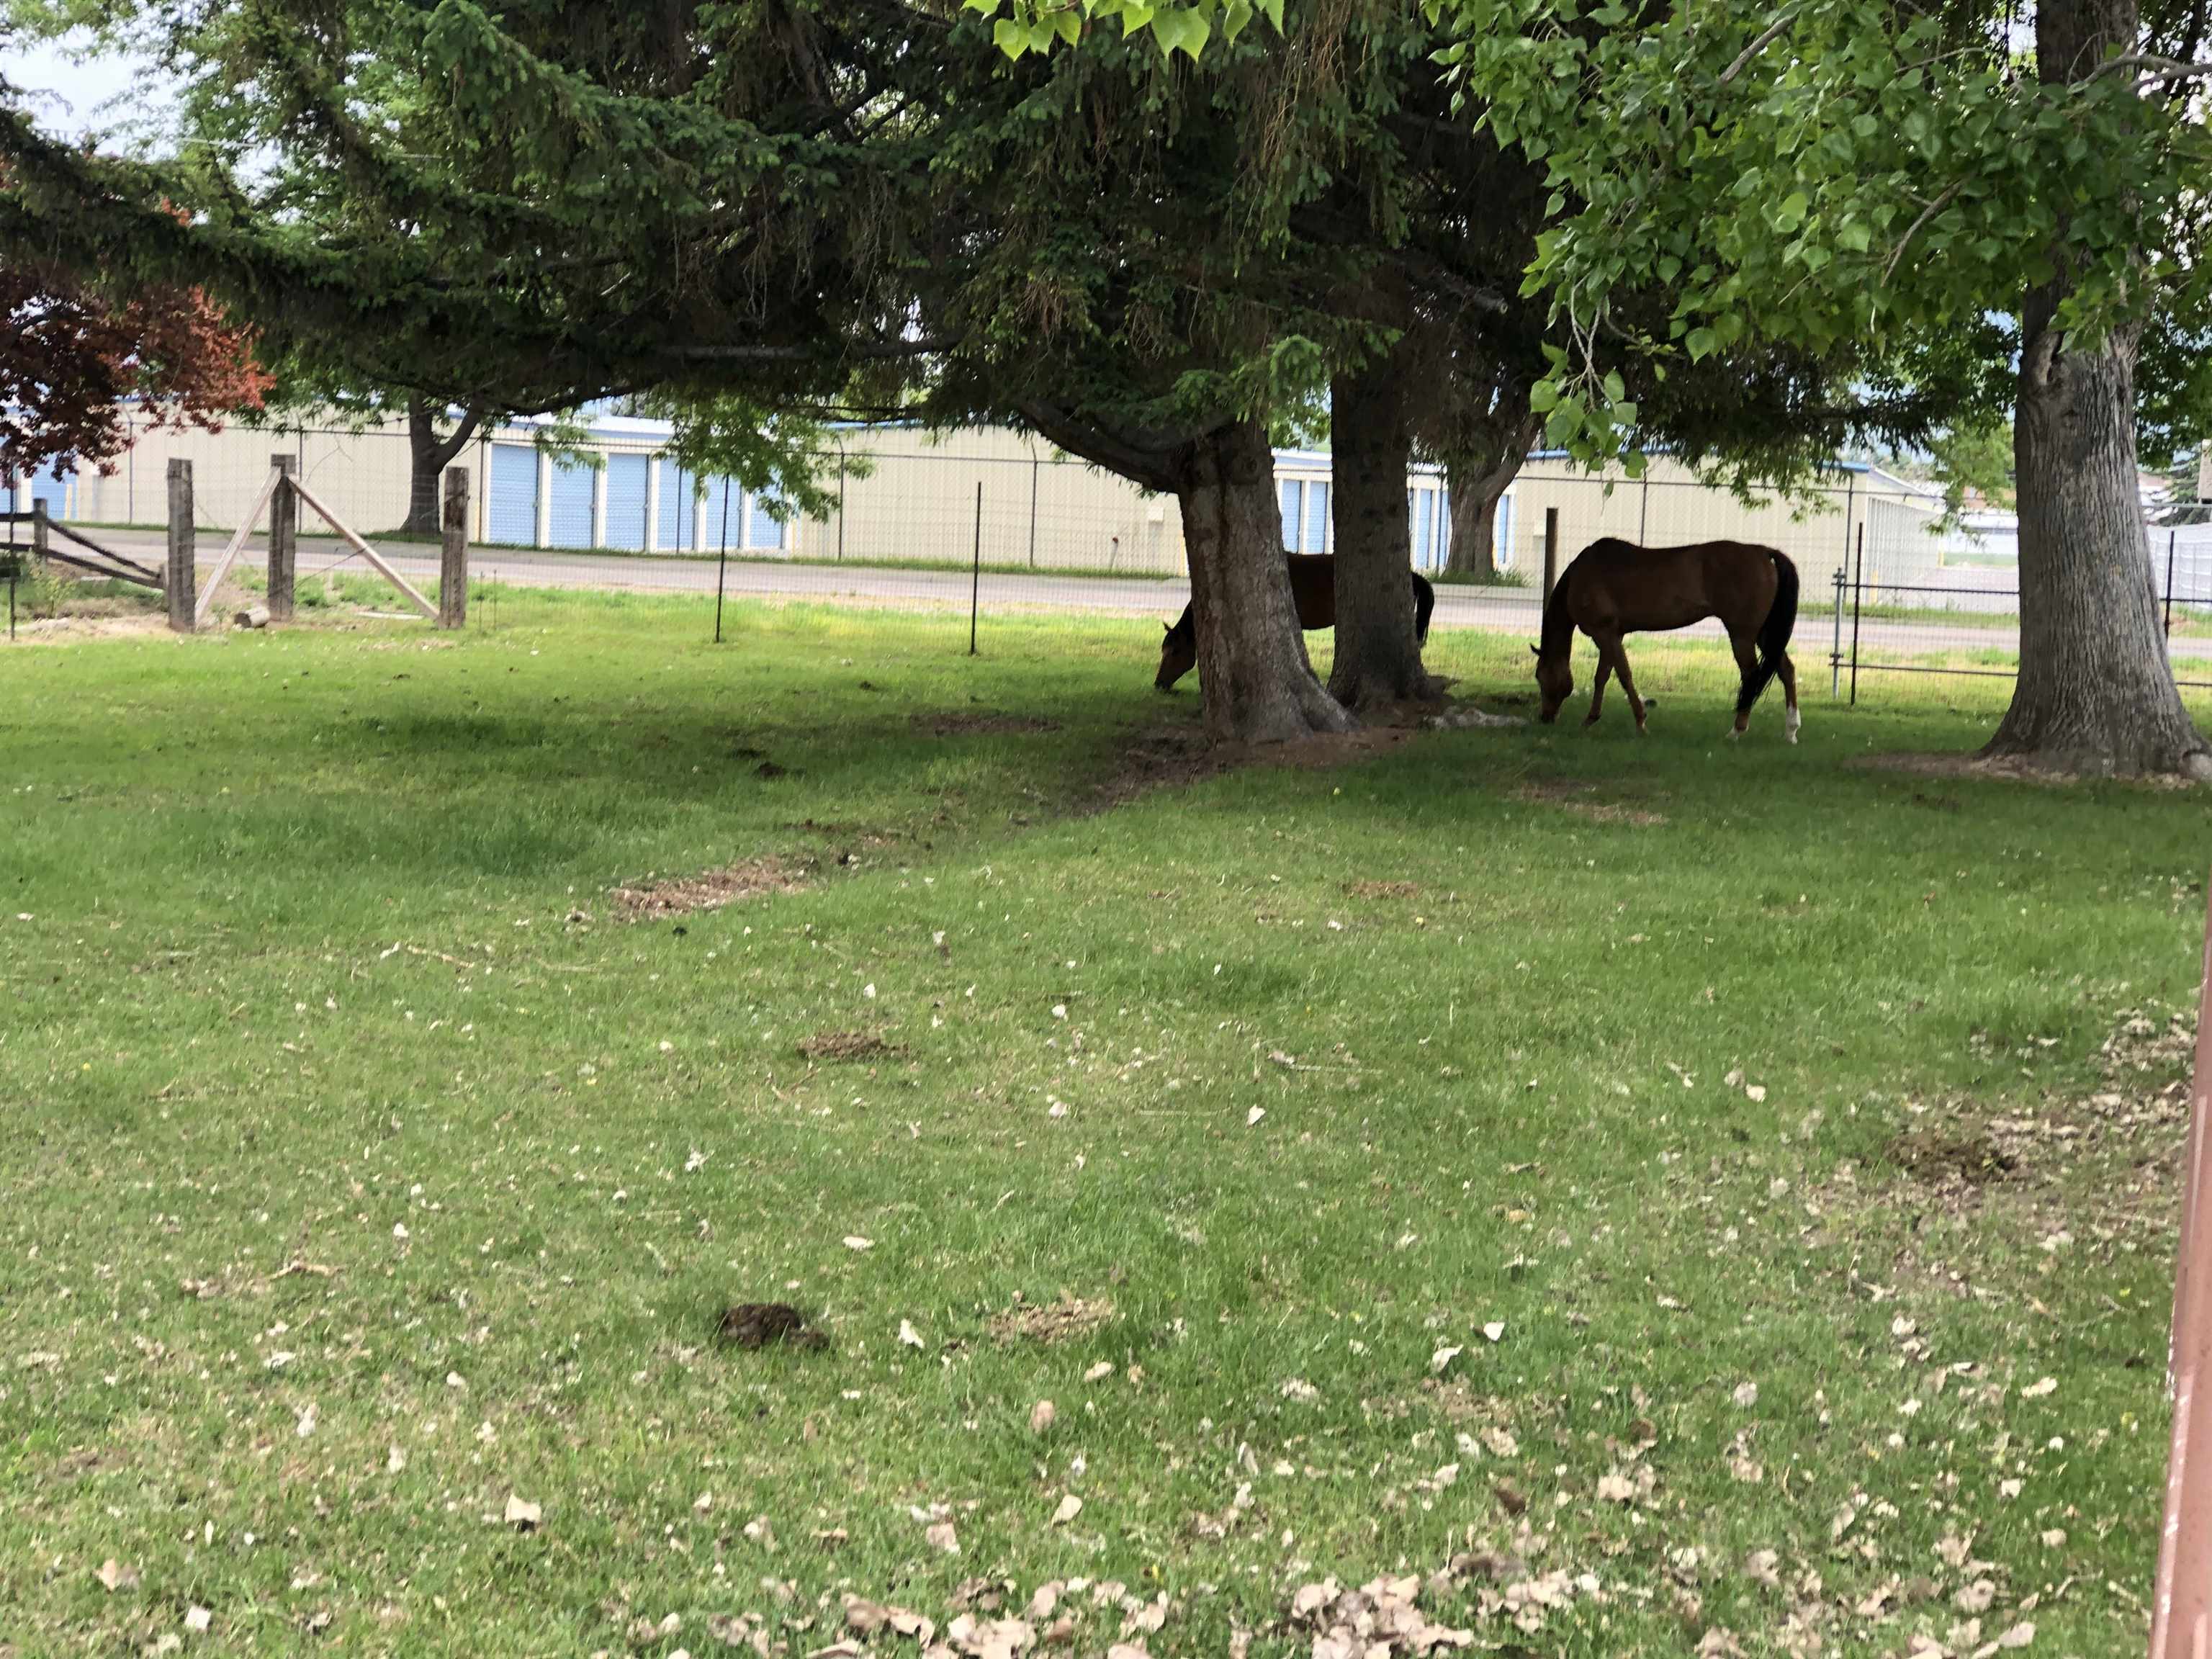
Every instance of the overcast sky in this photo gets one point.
(73, 97)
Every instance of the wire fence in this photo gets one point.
(1971, 628)
(942, 538)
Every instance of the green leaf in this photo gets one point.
(1702, 342)
(1011, 36)
(1791, 213)
(1542, 395)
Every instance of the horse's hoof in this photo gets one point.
(1732, 733)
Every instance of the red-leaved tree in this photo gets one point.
(73, 359)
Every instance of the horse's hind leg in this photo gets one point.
(1746, 665)
(1790, 719)
(1613, 659)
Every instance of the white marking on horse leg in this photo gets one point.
(1731, 734)
(1791, 721)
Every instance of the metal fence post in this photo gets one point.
(2181, 1603)
(283, 539)
(722, 564)
(1859, 597)
(2171, 536)
(181, 574)
(1836, 649)
(1033, 495)
(975, 582)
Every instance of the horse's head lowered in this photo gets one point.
(1555, 680)
(1178, 653)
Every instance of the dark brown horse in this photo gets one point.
(1313, 588)
(1614, 587)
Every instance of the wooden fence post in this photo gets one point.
(41, 537)
(181, 573)
(1551, 550)
(453, 553)
(283, 539)
(2181, 1605)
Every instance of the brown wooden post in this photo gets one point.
(1551, 550)
(181, 573)
(2181, 1607)
(453, 553)
(41, 537)
(283, 539)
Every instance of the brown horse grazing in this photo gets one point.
(1614, 587)
(1313, 588)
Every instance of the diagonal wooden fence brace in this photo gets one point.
(366, 551)
(231, 549)
(2181, 1609)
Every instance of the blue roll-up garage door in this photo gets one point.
(722, 513)
(569, 505)
(514, 501)
(53, 489)
(676, 506)
(763, 532)
(629, 478)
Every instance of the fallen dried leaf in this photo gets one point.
(523, 1515)
(115, 1575)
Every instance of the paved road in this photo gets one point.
(1495, 609)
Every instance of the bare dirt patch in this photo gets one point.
(847, 1045)
(1060, 1320)
(709, 890)
(2007, 769)
(90, 624)
(752, 1326)
(1952, 1159)
(1582, 800)
(1382, 889)
(964, 725)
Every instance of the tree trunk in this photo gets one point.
(1257, 682)
(428, 456)
(1474, 483)
(1378, 660)
(1473, 523)
(2096, 691)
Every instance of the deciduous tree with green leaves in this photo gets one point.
(1840, 174)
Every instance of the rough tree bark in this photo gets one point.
(1258, 682)
(2096, 691)
(427, 457)
(1475, 477)
(1378, 660)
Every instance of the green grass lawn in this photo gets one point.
(1568, 1165)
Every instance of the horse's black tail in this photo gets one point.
(1773, 633)
(1424, 604)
